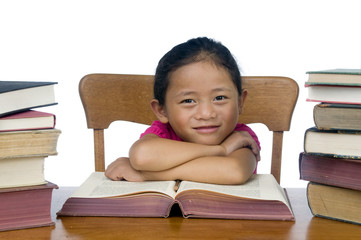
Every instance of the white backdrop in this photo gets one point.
(44, 40)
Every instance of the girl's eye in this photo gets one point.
(187, 101)
(220, 98)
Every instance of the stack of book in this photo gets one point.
(331, 160)
(27, 137)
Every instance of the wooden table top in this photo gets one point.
(305, 227)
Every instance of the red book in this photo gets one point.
(28, 120)
(339, 172)
(26, 207)
(260, 198)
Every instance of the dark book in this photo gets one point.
(334, 203)
(330, 171)
(335, 77)
(26, 207)
(337, 116)
(17, 96)
(335, 143)
(261, 198)
(28, 120)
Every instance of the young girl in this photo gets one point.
(198, 97)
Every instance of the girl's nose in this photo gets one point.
(205, 111)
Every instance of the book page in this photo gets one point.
(259, 186)
(99, 186)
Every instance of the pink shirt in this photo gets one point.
(166, 131)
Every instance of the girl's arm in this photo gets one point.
(236, 168)
(152, 153)
(233, 169)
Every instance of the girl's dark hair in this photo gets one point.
(194, 50)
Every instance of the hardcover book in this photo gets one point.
(260, 198)
(23, 95)
(335, 77)
(340, 172)
(334, 143)
(24, 171)
(334, 94)
(29, 143)
(334, 203)
(337, 116)
(28, 120)
(26, 207)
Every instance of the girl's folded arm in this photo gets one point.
(152, 153)
(233, 169)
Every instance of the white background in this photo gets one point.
(64, 40)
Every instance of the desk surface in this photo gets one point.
(305, 227)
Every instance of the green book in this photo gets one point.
(339, 76)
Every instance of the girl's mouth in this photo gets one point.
(206, 129)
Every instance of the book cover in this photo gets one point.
(29, 143)
(26, 207)
(260, 198)
(334, 143)
(22, 95)
(27, 120)
(340, 172)
(334, 203)
(328, 116)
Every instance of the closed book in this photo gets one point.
(334, 203)
(17, 96)
(347, 94)
(339, 76)
(23, 171)
(337, 116)
(340, 172)
(29, 143)
(27, 120)
(335, 143)
(26, 207)
(261, 198)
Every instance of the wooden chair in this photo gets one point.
(111, 97)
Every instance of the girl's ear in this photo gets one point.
(159, 111)
(242, 100)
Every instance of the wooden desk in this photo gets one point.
(305, 227)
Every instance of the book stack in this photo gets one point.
(27, 137)
(331, 160)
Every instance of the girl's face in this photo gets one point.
(202, 103)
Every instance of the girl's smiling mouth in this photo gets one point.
(206, 129)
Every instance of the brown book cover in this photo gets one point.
(260, 198)
(26, 207)
(328, 170)
(334, 203)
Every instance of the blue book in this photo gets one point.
(18, 96)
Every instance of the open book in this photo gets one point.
(260, 198)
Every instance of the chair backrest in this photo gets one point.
(110, 97)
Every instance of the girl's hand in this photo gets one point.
(240, 139)
(121, 169)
